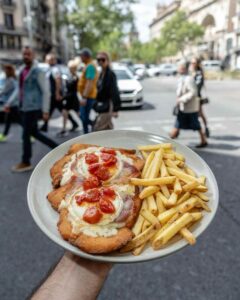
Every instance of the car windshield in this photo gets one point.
(122, 74)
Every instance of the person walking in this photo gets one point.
(55, 82)
(33, 99)
(87, 88)
(187, 106)
(8, 89)
(108, 100)
(198, 75)
(70, 100)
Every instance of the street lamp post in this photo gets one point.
(29, 22)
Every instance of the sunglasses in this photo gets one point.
(101, 59)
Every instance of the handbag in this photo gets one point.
(176, 110)
(204, 100)
(101, 107)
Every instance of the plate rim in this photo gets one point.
(108, 258)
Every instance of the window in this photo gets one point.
(7, 2)
(10, 42)
(8, 20)
(1, 41)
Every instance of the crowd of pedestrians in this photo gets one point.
(35, 94)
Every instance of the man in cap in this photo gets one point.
(87, 88)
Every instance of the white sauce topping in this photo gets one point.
(106, 226)
(82, 166)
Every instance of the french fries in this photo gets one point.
(173, 198)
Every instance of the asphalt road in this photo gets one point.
(208, 271)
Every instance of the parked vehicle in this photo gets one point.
(167, 69)
(212, 65)
(140, 70)
(131, 91)
(153, 70)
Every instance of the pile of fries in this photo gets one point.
(173, 199)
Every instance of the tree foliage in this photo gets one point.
(178, 31)
(96, 20)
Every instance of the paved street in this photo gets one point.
(207, 271)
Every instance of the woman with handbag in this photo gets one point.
(187, 107)
(108, 100)
(198, 75)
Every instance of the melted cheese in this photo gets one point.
(106, 227)
(82, 166)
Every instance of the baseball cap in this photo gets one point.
(85, 52)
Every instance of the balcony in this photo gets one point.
(8, 4)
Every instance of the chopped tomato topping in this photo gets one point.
(109, 192)
(106, 156)
(92, 215)
(92, 195)
(90, 183)
(109, 151)
(111, 162)
(93, 168)
(102, 173)
(91, 158)
(106, 206)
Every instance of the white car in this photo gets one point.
(167, 69)
(131, 91)
(212, 65)
(153, 71)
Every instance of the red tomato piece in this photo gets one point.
(106, 156)
(80, 198)
(106, 206)
(109, 151)
(90, 183)
(111, 162)
(91, 158)
(93, 168)
(93, 195)
(109, 192)
(102, 173)
(92, 215)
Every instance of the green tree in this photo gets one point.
(114, 44)
(178, 31)
(95, 20)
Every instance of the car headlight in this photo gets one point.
(138, 90)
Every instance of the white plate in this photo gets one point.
(46, 218)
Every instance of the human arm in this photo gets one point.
(74, 278)
(44, 86)
(191, 91)
(8, 86)
(115, 96)
(13, 99)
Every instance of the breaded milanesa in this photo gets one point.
(60, 166)
(99, 244)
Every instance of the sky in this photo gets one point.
(145, 11)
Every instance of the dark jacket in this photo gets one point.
(199, 80)
(108, 91)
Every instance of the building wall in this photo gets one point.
(221, 20)
(43, 25)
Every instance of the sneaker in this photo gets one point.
(22, 167)
(62, 133)
(3, 138)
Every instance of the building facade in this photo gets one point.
(27, 22)
(221, 21)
